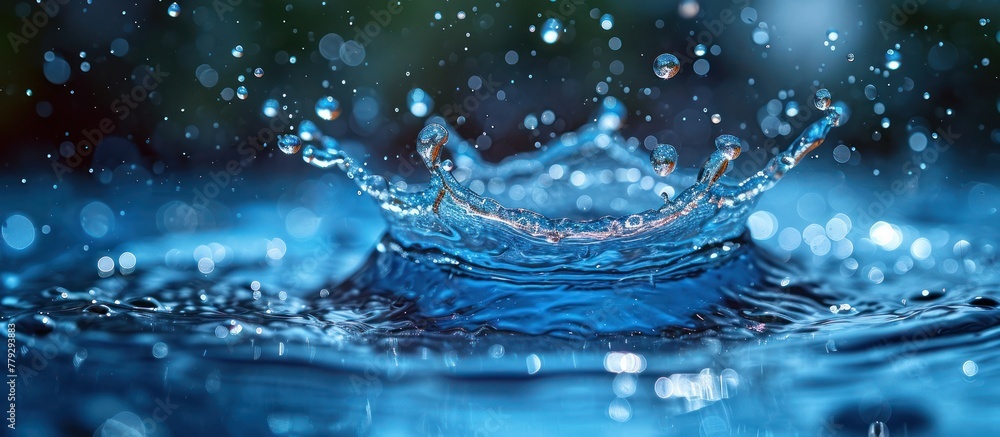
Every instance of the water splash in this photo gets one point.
(458, 253)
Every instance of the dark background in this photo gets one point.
(184, 130)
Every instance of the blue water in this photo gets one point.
(765, 282)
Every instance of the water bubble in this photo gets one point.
(352, 53)
(530, 121)
(548, 117)
(429, 142)
(18, 232)
(97, 219)
(420, 102)
(850, 57)
(878, 429)
(666, 66)
(970, 368)
(893, 60)
(760, 36)
(447, 165)
(716, 118)
(238, 51)
(258, 72)
(290, 144)
(241, 92)
(607, 22)
(870, 92)
(174, 10)
(983, 21)
(832, 35)
(328, 108)
(822, 99)
(664, 159)
(729, 145)
(748, 15)
(160, 349)
(271, 108)
(551, 30)
(700, 49)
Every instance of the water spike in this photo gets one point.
(429, 142)
(729, 145)
(714, 168)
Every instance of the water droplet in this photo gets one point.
(420, 102)
(321, 158)
(447, 165)
(429, 142)
(258, 72)
(716, 118)
(822, 99)
(290, 144)
(328, 108)
(878, 429)
(238, 51)
(666, 66)
(729, 145)
(893, 60)
(832, 35)
(174, 10)
(700, 49)
(982, 21)
(850, 57)
(870, 92)
(270, 108)
(970, 368)
(664, 159)
(551, 30)
(607, 22)
(241, 92)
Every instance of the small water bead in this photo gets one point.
(321, 158)
(241, 92)
(878, 429)
(664, 159)
(716, 118)
(607, 22)
(328, 108)
(982, 21)
(290, 144)
(238, 51)
(893, 60)
(258, 72)
(700, 49)
(447, 165)
(271, 108)
(174, 10)
(822, 99)
(429, 142)
(870, 92)
(729, 145)
(832, 35)
(666, 66)
(850, 57)
(551, 30)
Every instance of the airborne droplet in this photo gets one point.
(729, 145)
(174, 10)
(551, 31)
(328, 108)
(666, 66)
(290, 144)
(822, 99)
(664, 159)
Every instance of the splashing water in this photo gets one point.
(453, 238)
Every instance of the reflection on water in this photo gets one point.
(610, 282)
